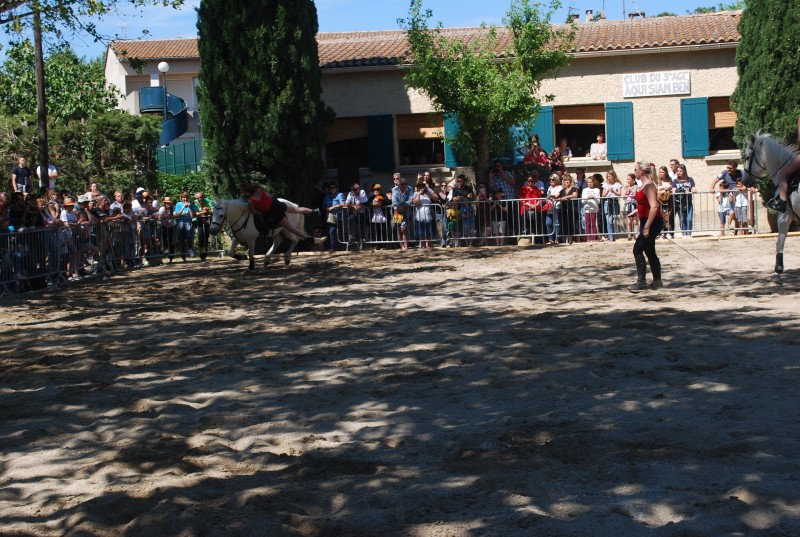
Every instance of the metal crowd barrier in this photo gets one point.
(37, 258)
(497, 222)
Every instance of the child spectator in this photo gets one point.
(740, 207)
(724, 206)
(499, 216)
(591, 204)
(453, 223)
(631, 212)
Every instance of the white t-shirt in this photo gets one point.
(591, 203)
(555, 191)
(614, 189)
(52, 173)
(741, 198)
(598, 151)
(724, 201)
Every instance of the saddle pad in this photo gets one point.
(264, 225)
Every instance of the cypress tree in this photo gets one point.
(767, 96)
(260, 95)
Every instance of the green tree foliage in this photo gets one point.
(767, 95)
(172, 184)
(260, 94)
(730, 6)
(464, 78)
(115, 149)
(70, 15)
(79, 85)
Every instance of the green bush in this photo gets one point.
(172, 184)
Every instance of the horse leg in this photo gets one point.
(231, 252)
(276, 241)
(292, 244)
(270, 251)
(251, 247)
(784, 221)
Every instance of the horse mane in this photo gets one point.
(776, 144)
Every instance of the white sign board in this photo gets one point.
(656, 84)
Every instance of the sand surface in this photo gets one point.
(469, 392)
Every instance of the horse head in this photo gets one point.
(750, 160)
(218, 217)
(764, 155)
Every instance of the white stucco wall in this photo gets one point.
(588, 80)
(358, 93)
(657, 120)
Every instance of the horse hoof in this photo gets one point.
(776, 279)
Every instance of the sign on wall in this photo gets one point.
(656, 84)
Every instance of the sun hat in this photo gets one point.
(166, 199)
(68, 201)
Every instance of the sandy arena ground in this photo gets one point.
(470, 392)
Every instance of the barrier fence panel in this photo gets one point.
(36, 258)
(32, 259)
(497, 222)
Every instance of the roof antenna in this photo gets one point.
(123, 26)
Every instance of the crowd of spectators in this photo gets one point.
(63, 235)
(92, 231)
(552, 205)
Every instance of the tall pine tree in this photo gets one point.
(767, 96)
(260, 94)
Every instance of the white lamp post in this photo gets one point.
(163, 68)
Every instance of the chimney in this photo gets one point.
(574, 17)
(602, 15)
(589, 14)
(636, 15)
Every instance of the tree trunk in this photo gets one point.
(41, 106)
(482, 151)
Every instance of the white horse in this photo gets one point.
(765, 155)
(236, 214)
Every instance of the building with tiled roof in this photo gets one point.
(658, 88)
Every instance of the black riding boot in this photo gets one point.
(655, 268)
(641, 274)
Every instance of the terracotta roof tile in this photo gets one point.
(378, 48)
(159, 49)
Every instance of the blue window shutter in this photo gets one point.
(619, 131)
(451, 128)
(694, 126)
(517, 134)
(544, 128)
(380, 130)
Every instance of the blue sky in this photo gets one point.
(356, 15)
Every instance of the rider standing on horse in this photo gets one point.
(791, 167)
(274, 210)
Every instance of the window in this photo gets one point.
(419, 139)
(721, 120)
(707, 125)
(579, 125)
(348, 142)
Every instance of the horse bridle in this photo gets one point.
(233, 226)
(754, 157)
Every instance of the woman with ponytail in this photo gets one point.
(651, 222)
